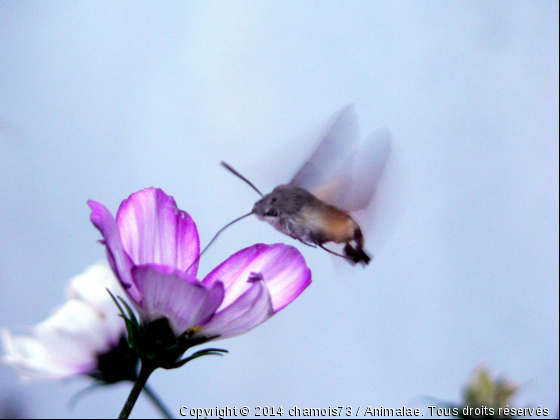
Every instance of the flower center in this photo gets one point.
(191, 332)
(254, 277)
(119, 364)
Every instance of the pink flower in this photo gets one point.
(151, 245)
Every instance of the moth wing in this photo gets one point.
(369, 167)
(378, 199)
(355, 189)
(330, 164)
(335, 191)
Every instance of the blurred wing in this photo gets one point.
(354, 190)
(369, 167)
(330, 164)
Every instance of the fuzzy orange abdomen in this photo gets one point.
(330, 224)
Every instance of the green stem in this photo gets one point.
(145, 371)
(158, 403)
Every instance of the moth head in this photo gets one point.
(268, 206)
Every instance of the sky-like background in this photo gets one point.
(100, 99)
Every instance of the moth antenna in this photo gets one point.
(216, 236)
(237, 174)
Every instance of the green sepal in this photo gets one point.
(75, 399)
(131, 315)
(116, 303)
(138, 337)
(200, 353)
(132, 326)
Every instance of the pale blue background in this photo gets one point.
(100, 99)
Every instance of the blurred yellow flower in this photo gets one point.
(483, 391)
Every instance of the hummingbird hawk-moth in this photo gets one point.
(339, 177)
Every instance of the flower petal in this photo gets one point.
(281, 266)
(175, 295)
(32, 359)
(154, 231)
(120, 262)
(91, 288)
(91, 285)
(76, 333)
(251, 309)
(67, 343)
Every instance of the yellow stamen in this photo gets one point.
(191, 332)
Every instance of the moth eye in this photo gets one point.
(272, 213)
(273, 200)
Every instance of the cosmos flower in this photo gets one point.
(153, 248)
(85, 336)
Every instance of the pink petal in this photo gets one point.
(251, 309)
(120, 262)
(282, 268)
(175, 295)
(154, 231)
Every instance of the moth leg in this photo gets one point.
(306, 243)
(335, 253)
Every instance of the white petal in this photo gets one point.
(91, 287)
(33, 361)
(70, 341)
(75, 334)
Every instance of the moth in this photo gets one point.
(340, 177)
